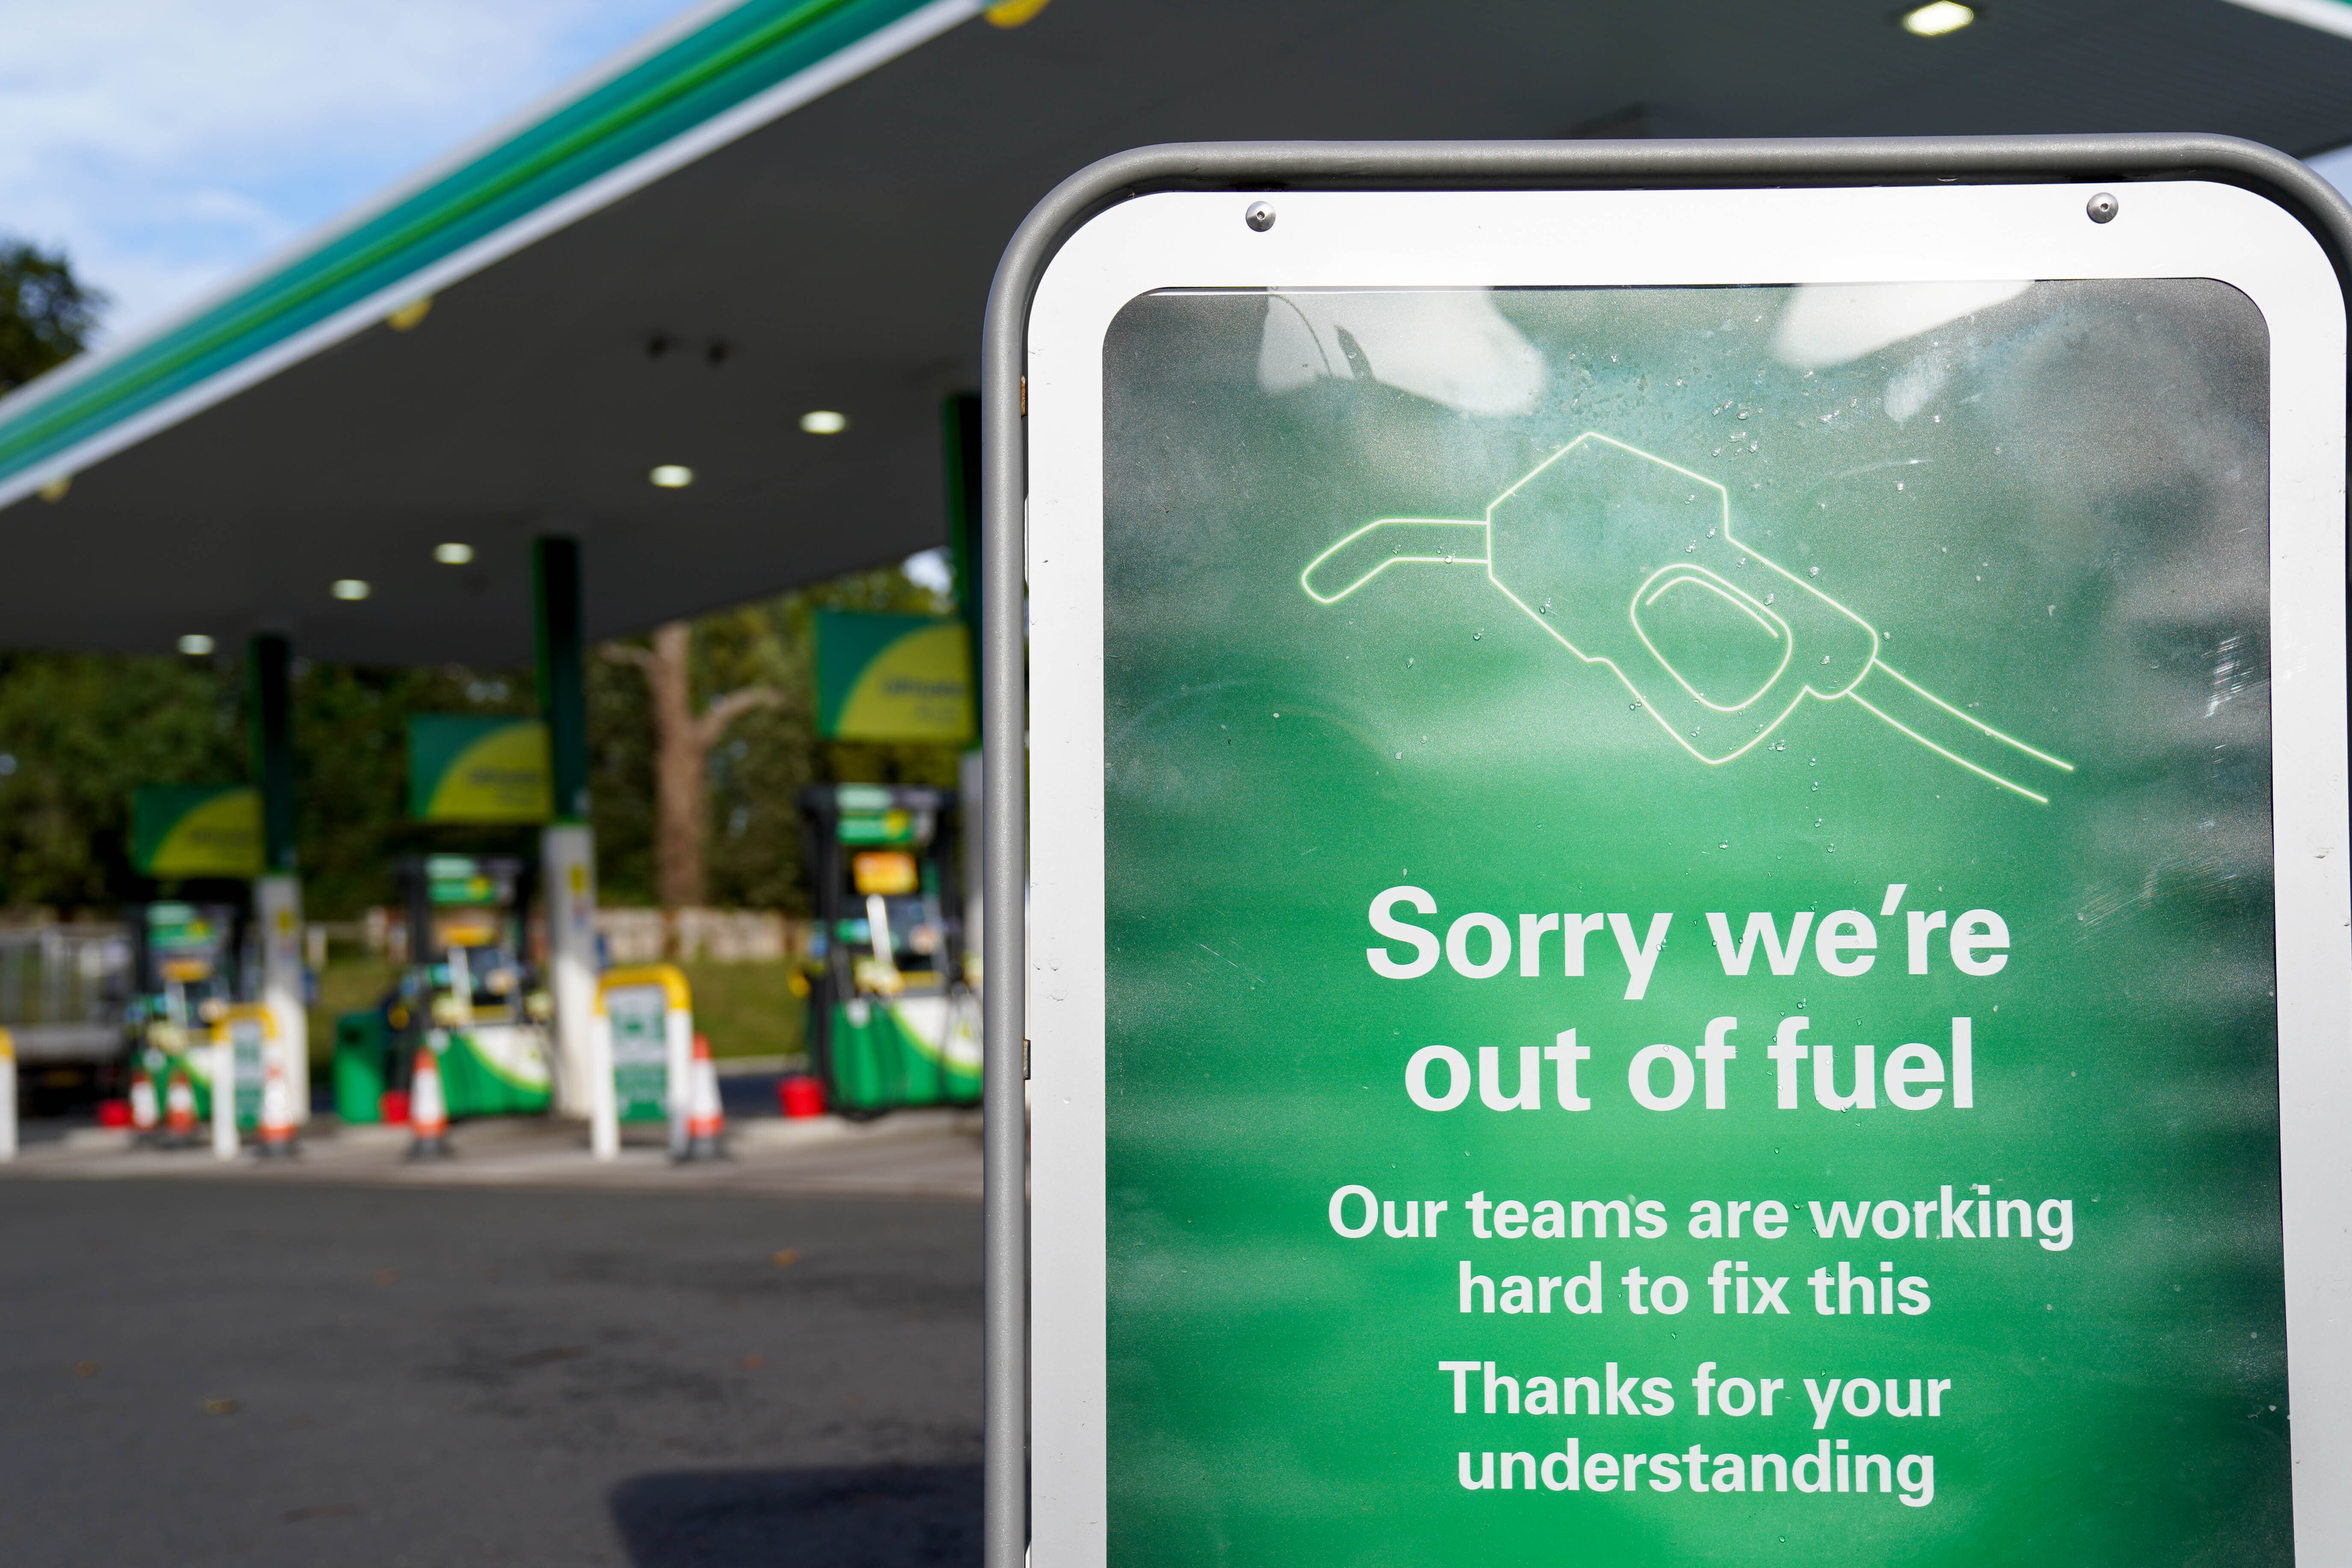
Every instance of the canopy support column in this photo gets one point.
(277, 891)
(568, 845)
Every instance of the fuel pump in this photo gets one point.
(185, 964)
(894, 1005)
(470, 994)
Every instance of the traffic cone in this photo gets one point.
(706, 1120)
(145, 1115)
(277, 1111)
(179, 1111)
(428, 1113)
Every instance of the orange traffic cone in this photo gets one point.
(706, 1120)
(428, 1113)
(145, 1115)
(277, 1111)
(179, 1111)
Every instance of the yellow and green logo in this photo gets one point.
(464, 767)
(892, 677)
(196, 830)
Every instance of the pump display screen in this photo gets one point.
(886, 871)
(1690, 927)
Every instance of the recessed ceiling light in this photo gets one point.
(823, 422)
(672, 476)
(348, 588)
(1938, 18)
(195, 644)
(453, 554)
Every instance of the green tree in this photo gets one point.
(78, 734)
(46, 314)
(755, 855)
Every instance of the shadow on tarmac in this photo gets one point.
(884, 1516)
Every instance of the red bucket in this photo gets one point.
(800, 1097)
(392, 1107)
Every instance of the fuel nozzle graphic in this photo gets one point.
(1630, 561)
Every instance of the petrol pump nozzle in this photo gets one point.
(1630, 562)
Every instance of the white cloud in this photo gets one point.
(170, 144)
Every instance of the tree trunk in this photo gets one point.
(682, 742)
(681, 790)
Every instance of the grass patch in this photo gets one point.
(747, 1009)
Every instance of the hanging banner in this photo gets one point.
(1687, 909)
(195, 830)
(463, 767)
(892, 677)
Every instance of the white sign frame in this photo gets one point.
(1429, 239)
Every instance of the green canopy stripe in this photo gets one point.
(736, 55)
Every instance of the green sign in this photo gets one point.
(640, 1052)
(246, 1036)
(648, 1015)
(892, 677)
(1688, 925)
(196, 830)
(174, 927)
(467, 768)
(461, 880)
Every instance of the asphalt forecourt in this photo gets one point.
(205, 1372)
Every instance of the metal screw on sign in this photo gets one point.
(2103, 208)
(1260, 216)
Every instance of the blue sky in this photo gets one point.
(169, 145)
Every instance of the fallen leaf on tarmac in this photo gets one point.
(384, 1276)
(785, 1258)
(223, 1407)
(85, 1368)
(754, 1363)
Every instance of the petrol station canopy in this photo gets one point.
(773, 208)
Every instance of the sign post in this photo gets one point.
(1688, 900)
